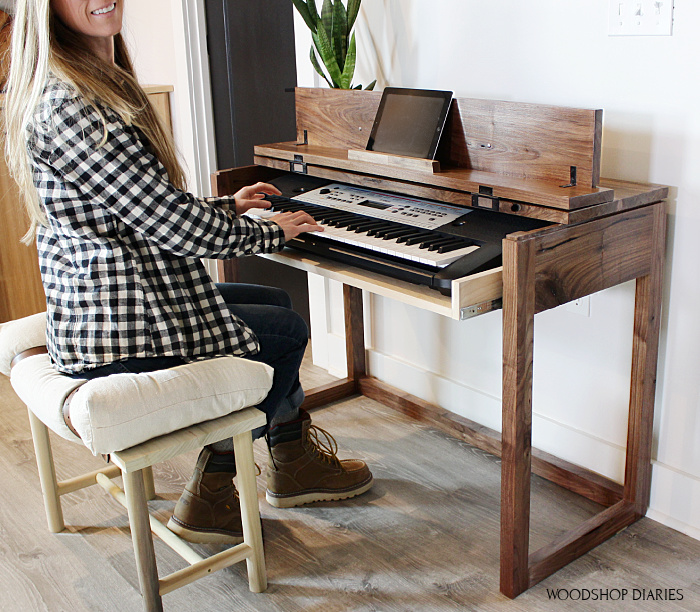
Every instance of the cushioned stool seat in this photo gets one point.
(140, 420)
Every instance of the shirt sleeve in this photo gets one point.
(123, 176)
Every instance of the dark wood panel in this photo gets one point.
(450, 177)
(531, 141)
(354, 332)
(527, 141)
(335, 118)
(328, 393)
(518, 334)
(574, 261)
(645, 347)
(228, 182)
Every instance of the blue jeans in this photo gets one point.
(282, 334)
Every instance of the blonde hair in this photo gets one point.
(41, 46)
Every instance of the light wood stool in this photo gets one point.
(214, 386)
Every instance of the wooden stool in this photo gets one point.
(140, 420)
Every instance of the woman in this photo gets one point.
(120, 242)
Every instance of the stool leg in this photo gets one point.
(148, 483)
(250, 510)
(143, 541)
(47, 474)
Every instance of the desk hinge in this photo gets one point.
(478, 309)
(485, 198)
(298, 165)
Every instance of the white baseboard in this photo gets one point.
(675, 499)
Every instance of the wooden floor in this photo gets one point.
(424, 538)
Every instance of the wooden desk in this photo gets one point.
(604, 233)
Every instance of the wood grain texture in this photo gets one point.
(645, 347)
(328, 393)
(21, 291)
(627, 195)
(144, 552)
(528, 190)
(400, 161)
(335, 119)
(518, 334)
(196, 436)
(354, 332)
(574, 261)
(527, 141)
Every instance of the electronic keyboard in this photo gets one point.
(417, 240)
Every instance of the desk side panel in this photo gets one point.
(575, 261)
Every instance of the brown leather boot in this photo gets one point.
(208, 511)
(304, 469)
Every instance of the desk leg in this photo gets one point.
(645, 347)
(355, 353)
(518, 328)
(354, 332)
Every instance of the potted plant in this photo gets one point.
(330, 33)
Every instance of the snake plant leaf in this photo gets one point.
(370, 87)
(317, 66)
(325, 50)
(340, 33)
(349, 69)
(353, 10)
(313, 13)
(327, 16)
(304, 12)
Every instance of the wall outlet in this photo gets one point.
(640, 18)
(582, 306)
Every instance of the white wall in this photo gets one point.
(555, 52)
(155, 34)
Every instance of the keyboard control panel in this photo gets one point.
(383, 205)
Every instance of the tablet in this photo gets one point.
(409, 122)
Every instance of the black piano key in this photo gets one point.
(375, 227)
(282, 206)
(342, 220)
(361, 226)
(391, 230)
(426, 243)
(386, 226)
(454, 247)
(442, 241)
(414, 234)
(275, 199)
(419, 238)
(331, 214)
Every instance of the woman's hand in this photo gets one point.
(295, 223)
(252, 197)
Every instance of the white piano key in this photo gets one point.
(396, 249)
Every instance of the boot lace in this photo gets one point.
(323, 445)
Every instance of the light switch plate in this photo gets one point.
(640, 18)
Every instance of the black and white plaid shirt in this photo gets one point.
(120, 256)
